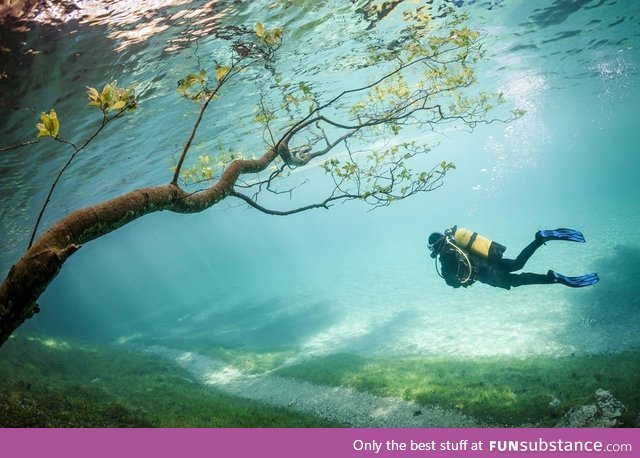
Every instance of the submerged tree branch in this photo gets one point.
(194, 130)
(376, 166)
(242, 51)
(324, 204)
(31, 275)
(19, 145)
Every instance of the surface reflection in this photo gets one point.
(128, 22)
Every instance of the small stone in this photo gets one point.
(605, 413)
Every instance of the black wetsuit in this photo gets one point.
(495, 273)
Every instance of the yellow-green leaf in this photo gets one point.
(107, 93)
(44, 117)
(50, 124)
(259, 29)
(55, 124)
(119, 105)
(93, 94)
(42, 130)
(221, 72)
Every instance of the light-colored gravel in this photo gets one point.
(348, 407)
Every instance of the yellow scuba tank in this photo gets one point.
(474, 243)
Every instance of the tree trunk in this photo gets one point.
(37, 268)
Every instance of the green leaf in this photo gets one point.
(259, 29)
(107, 94)
(94, 96)
(221, 72)
(119, 105)
(46, 121)
(42, 130)
(55, 124)
(50, 126)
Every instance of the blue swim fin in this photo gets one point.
(560, 234)
(574, 282)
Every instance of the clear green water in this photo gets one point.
(344, 281)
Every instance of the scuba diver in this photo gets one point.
(467, 257)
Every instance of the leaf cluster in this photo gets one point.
(201, 171)
(269, 37)
(50, 126)
(195, 86)
(385, 175)
(112, 98)
(205, 169)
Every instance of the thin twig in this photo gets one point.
(20, 145)
(105, 121)
(232, 72)
(324, 204)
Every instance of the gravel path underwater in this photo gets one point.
(346, 406)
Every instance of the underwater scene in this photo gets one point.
(223, 211)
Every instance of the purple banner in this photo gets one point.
(316, 443)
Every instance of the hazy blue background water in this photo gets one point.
(346, 279)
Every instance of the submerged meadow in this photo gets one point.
(235, 318)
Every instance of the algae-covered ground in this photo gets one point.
(496, 391)
(52, 383)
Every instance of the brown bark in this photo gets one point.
(37, 268)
